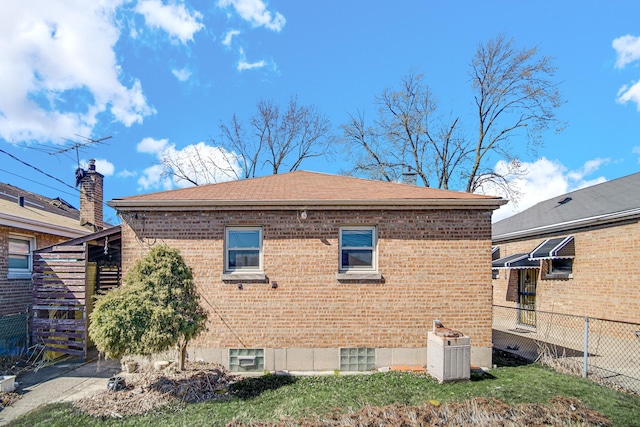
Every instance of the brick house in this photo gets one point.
(309, 271)
(28, 222)
(573, 254)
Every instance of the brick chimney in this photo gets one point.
(91, 197)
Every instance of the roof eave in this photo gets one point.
(569, 225)
(127, 205)
(40, 227)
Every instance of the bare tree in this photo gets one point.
(514, 94)
(408, 133)
(200, 164)
(247, 150)
(280, 138)
(288, 137)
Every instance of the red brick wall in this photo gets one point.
(435, 265)
(606, 275)
(15, 294)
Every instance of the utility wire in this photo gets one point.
(37, 169)
(39, 183)
(44, 173)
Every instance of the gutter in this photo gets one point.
(399, 204)
(570, 225)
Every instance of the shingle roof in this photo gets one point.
(608, 201)
(300, 188)
(55, 206)
(39, 213)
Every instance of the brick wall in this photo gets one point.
(15, 294)
(606, 276)
(435, 265)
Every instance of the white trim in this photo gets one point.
(374, 250)
(242, 271)
(21, 273)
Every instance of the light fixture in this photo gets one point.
(303, 214)
(274, 284)
(240, 285)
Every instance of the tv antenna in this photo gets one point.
(77, 145)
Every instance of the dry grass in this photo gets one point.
(561, 411)
(148, 390)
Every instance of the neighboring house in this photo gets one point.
(574, 254)
(30, 221)
(309, 271)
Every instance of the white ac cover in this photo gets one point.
(448, 355)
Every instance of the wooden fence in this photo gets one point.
(63, 289)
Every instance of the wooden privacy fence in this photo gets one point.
(63, 289)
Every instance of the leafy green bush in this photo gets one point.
(156, 308)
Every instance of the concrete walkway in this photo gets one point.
(67, 380)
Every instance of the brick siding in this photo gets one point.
(435, 264)
(606, 275)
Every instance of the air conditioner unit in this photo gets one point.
(448, 354)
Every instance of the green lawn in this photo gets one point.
(271, 398)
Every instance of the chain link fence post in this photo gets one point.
(585, 368)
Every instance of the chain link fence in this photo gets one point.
(604, 350)
(14, 333)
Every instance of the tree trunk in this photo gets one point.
(183, 356)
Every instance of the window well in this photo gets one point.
(246, 360)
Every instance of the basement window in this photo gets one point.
(246, 359)
(20, 256)
(357, 359)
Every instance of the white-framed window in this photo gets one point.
(243, 249)
(358, 248)
(20, 256)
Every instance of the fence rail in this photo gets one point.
(605, 350)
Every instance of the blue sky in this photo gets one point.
(161, 75)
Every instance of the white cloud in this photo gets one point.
(636, 150)
(256, 13)
(630, 94)
(153, 178)
(180, 23)
(55, 54)
(203, 164)
(230, 34)
(127, 174)
(244, 65)
(103, 166)
(152, 146)
(182, 75)
(200, 162)
(628, 50)
(545, 179)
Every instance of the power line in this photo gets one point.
(46, 174)
(37, 169)
(39, 183)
